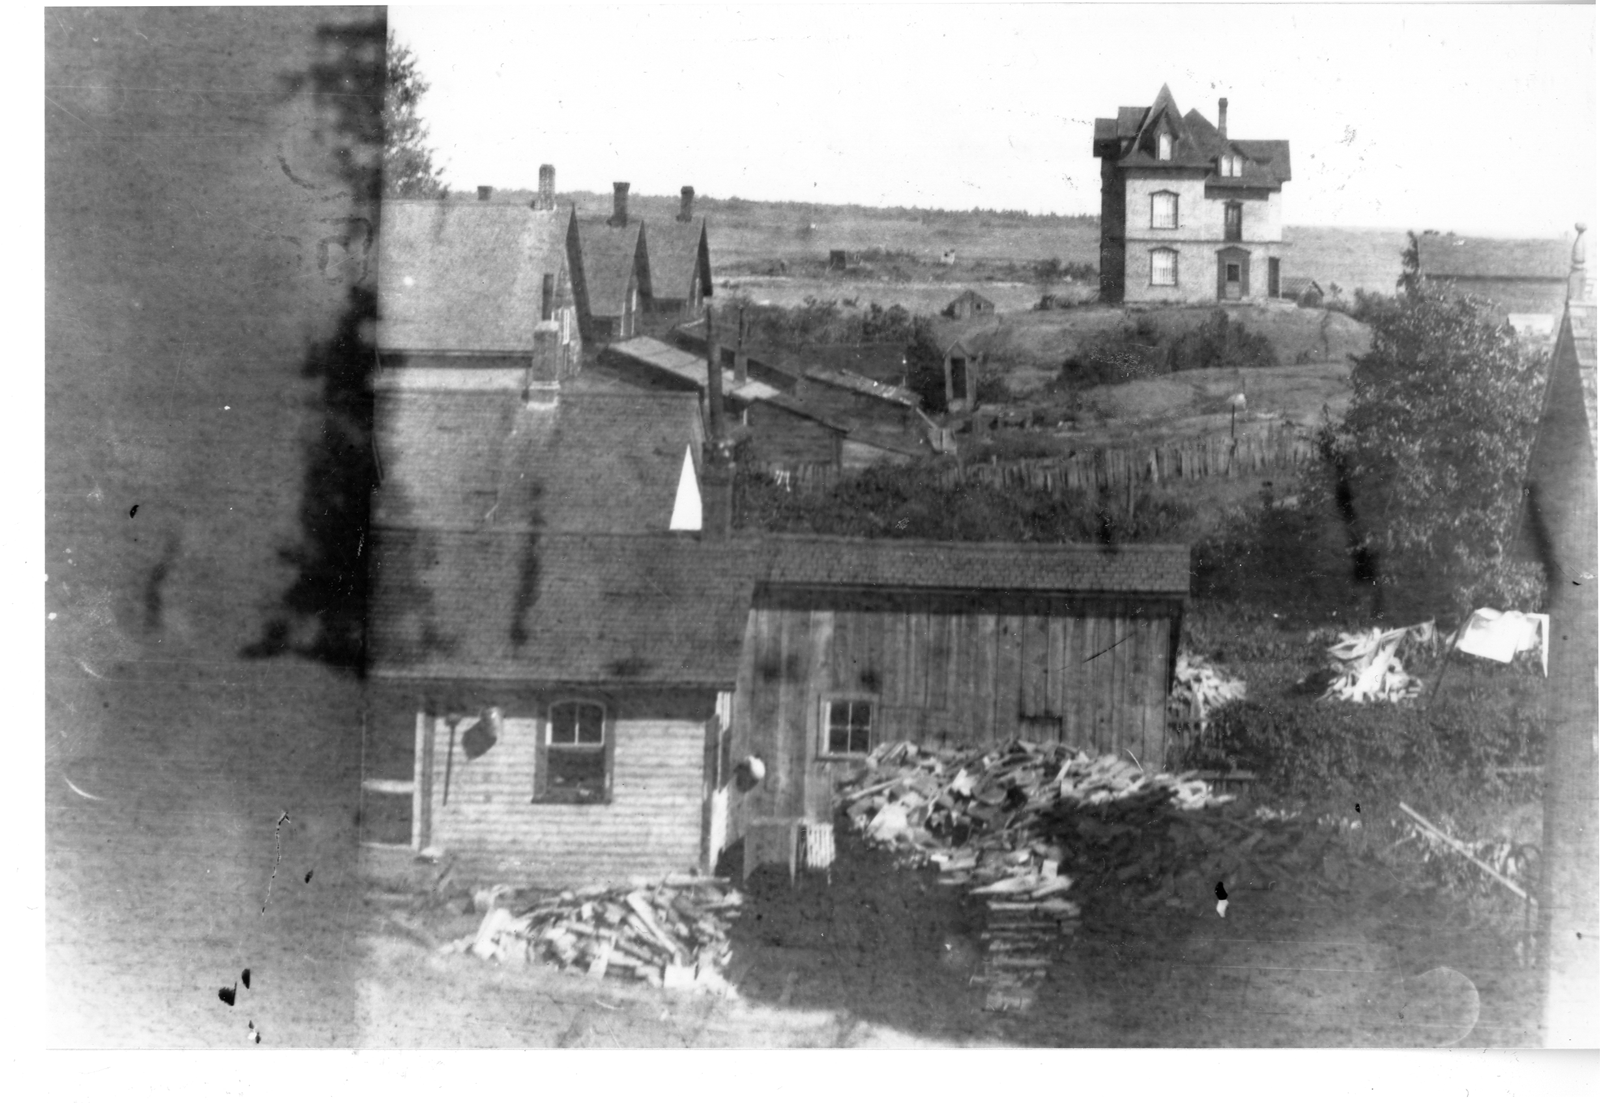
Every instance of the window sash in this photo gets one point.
(1164, 210)
(1164, 147)
(1163, 268)
(847, 727)
(573, 765)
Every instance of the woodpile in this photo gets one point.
(1199, 689)
(671, 933)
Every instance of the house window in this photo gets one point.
(1163, 268)
(1164, 146)
(574, 766)
(847, 727)
(1233, 222)
(1164, 210)
(1232, 164)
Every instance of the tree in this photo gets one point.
(1430, 456)
(408, 171)
(925, 367)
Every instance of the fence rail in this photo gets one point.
(1277, 448)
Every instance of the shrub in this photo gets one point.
(1341, 753)
(1120, 356)
(1220, 344)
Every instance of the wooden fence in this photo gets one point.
(1276, 448)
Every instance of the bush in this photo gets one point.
(1342, 753)
(1116, 357)
(1220, 344)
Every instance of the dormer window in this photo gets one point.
(1231, 165)
(1164, 146)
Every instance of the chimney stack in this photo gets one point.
(1222, 116)
(686, 208)
(1578, 277)
(547, 189)
(484, 192)
(547, 297)
(619, 204)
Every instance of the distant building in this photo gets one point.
(1300, 290)
(680, 261)
(961, 364)
(610, 272)
(1187, 214)
(947, 258)
(969, 304)
(1520, 276)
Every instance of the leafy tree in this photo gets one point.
(925, 367)
(1430, 456)
(408, 171)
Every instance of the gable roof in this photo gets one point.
(1196, 144)
(603, 459)
(1293, 287)
(675, 250)
(970, 295)
(811, 561)
(689, 369)
(665, 609)
(1445, 256)
(608, 255)
(465, 277)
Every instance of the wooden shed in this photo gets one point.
(969, 304)
(961, 364)
(851, 644)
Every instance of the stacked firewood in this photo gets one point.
(671, 933)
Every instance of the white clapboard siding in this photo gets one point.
(651, 826)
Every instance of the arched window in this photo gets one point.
(573, 765)
(1163, 268)
(1164, 146)
(1164, 210)
(1232, 165)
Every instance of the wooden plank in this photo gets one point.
(889, 631)
(843, 677)
(794, 628)
(1076, 684)
(763, 736)
(917, 654)
(1008, 676)
(818, 786)
(939, 647)
(1035, 688)
(988, 647)
(420, 794)
(1058, 627)
(870, 653)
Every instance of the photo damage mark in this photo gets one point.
(277, 837)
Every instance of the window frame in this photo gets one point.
(1165, 251)
(1233, 221)
(543, 793)
(1163, 146)
(1232, 165)
(1164, 193)
(825, 726)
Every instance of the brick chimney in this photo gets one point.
(619, 204)
(546, 200)
(1222, 116)
(686, 205)
(484, 192)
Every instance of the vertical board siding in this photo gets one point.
(1008, 678)
(651, 825)
(790, 760)
(939, 645)
(1035, 647)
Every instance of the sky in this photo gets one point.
(1472, 119)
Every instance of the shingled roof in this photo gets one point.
(603, 459)
(1445, 256)
(664, 609)
(465, 277)
(608, 255)
(675, 250)
(811, 561)
(1196, 144)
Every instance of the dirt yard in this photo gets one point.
(861, 960)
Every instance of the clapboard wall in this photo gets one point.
(945, 669)
(655, 821)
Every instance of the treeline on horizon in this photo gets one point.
(639, 203)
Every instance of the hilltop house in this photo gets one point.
(1187, 214)
(1525, 279)
(680, 262)
(610, 272)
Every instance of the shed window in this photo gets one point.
(574, 766)
(1164, 210)
(1164, 146)
(847, 727)
(1163, 268)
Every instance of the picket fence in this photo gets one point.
(1276, 448)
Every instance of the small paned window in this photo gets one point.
(1164, 210)
(1232, 164)
(848, 727)
(1233, 273)
(574, 767)
(1164, 146)
(1163, 268)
